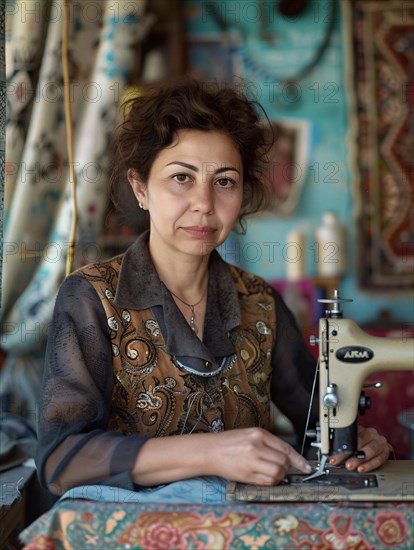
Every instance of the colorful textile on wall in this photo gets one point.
(38, 204)
(384, 66)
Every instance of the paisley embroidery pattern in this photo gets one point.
(156, 395)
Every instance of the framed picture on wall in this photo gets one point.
(288, 163)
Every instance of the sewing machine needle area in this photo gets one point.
(320, 471)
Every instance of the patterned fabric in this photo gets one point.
(384, 57)
(102, 48)
(156, 394)
(25, 43)
(85, 524)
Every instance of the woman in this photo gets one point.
(162, 363)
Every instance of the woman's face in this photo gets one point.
(193, 193)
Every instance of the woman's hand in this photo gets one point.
(248, 455)
(375, 447)
(256, 456)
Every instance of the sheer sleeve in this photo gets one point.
(74, 446)
(293, 371)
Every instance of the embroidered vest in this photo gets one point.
(154, 395)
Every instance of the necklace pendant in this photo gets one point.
(192, 321)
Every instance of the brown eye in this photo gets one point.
(181, 178)
(225, 182)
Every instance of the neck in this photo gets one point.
(188, 290)
(185, 276)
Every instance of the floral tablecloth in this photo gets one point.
(80, 524)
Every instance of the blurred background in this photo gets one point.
(336, 80)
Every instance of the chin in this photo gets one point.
(202, 248)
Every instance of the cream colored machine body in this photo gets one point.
(347, 355)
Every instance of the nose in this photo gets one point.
(203, 198)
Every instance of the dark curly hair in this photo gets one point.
(151, 122)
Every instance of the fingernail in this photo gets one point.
(349, 465)
(361, 469)
(308, 468)
(332, 460)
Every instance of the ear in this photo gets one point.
(138, 187)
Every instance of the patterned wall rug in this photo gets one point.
(384, 76)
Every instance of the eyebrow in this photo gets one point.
(192, 167)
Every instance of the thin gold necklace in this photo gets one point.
(193, 325)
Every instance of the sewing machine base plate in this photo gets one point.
(394, 481)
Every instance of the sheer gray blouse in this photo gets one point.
(74, 446)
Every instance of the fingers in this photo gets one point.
(274, 457)
(291, 457)
(376, 450)
(338, 459)
(299, 462)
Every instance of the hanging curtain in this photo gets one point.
(103, 42)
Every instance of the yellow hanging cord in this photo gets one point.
(69, 139)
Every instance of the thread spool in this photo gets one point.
(295, 255)
(331, 260)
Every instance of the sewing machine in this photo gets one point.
(347, 356)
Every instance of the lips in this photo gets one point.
(201, 231)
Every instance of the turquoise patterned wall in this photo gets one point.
(268, 49)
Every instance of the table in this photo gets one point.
(81, 524)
